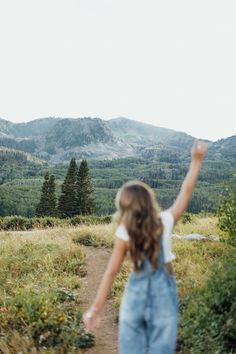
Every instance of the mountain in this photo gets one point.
(224, 149)
(59, 139)
(17, 164)
(83, 138)
(6, 128)
(34, 128)
(118, 150)
(146, 134)
(70, 133)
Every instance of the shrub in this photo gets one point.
(208, 315)
(50, 318)
(46, 222)
(99, 236)
(19, 223)
(227, 214)
(89, 220)
(15, 223)
(39, 294)
(106, 219)
(90, 240)
(187, 218)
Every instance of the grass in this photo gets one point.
(103, 235)
(191, 271)
(96, 236)
(45, 255)
(192, 266)
(202, 224)
(40, 281)
(39, 293)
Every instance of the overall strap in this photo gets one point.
(146, 266)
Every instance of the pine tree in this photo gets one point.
(85, 189)
(68, 202)
(52, 199)
(44, 200)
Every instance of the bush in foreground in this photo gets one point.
(40, 294)
(227, 214)
(49, 319)
(208, 316)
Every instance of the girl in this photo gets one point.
(149, 309)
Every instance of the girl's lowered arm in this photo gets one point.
(181, 203)
(117, 257)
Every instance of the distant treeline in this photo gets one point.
(21, 183)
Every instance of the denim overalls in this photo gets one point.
(148, 317)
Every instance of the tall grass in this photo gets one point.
(200, 224)
(40, 281)
(39, 293)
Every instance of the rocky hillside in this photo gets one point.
(224, 149)
(58, 139)
(139, 133)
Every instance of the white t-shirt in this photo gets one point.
(168, 224)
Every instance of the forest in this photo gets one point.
(21, 180)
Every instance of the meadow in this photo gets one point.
(39, 293)
(42, 271)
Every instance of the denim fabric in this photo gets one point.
(148, 317)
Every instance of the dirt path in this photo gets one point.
(106, 335)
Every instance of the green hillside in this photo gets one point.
(146, 134)
(117, 151)
(21, 194)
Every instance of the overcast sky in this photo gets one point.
(170, 63)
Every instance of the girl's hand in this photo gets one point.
(199, 150)
(91, 319)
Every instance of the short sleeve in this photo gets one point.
(168, 224)
(168, 219)
(122, 233)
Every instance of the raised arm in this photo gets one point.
(198, 153)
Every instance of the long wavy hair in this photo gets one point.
(139, 212)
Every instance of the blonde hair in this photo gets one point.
(138, 211)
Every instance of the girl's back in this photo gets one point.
(149, 309)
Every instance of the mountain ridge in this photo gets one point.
(57, 139)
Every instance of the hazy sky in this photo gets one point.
(170, 63)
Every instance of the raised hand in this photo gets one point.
(199, 150)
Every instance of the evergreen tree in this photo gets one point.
(52, 207)
(42, 207)
(85, 189)
(68, 203)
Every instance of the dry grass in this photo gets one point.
(52, 258)
(193, 261)
(40, 258)
(193, 258)
(203, 225)
(96, 236)
(192, 266)
(40, 270)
